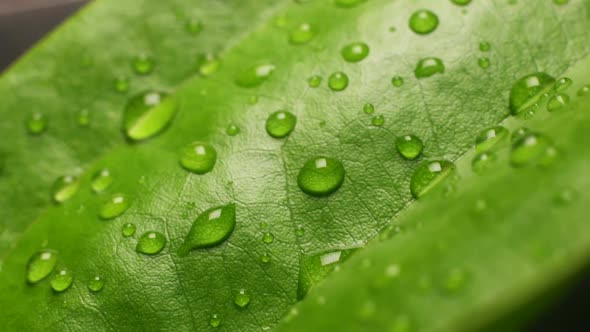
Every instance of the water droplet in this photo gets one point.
(101, 180)
(314, 81)
(211, 228)
(321, 176)
(268, 238)
(280, 124)
(64, 188)
(518, 134)
(265, 258)
(96, 284)
(563, 83)
(302, 34)
(83, 118)
(115, 206)
(483, 63)
(232, 130)
(584, 91)
(378, 120)
(461, 2)
(208, 64)
(355, 52)
(299, 231)
(36, 123)
(409, 146)
(348, 3)
(529, 149)
(62, 280)
(397, 81)
(491, 138)
(128, 229)
(242, 298)
(143, 64)
(483, 162)
(455, 280)
(423, 21)
(368, 108)
(527, 92)
(429, 174)
(214, 321)
(558, 102)
(254, 76)
(151, 243)
(429, 66)
(147, 114)
(122, 84)
(338, 81)
(40, 265)
(314, 268)
(193, 26)
(198, 157)
(566, 196)
(253, 100)
(485, 46)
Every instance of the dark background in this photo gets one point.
(23, 22)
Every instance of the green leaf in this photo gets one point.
(454, 274)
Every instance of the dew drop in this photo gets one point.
(518, 134)
(483, 63)
(265, 258)
(36, 123)
(299, 231)
(566, 196)
(429, 174)
(242, 298)
(268, 238)
(280, 124)
(491, 138)
(321, 176)
(211, 228)
(397, 81)
(64, 188)
(193, 26)
(151, 243)
(208, 64)
(409, 146)
(83, 118)
(314, 81)
(338, 81)
(143, 64)
(368, 108)
(483, 162)
(128, 229)
(302, 34)
(378, 120)
(254, 76)
(527, 92)
(214, 321)
(429, 66)
(529, 149)
(485, 46)
(584, 91)
(423, 21)
(198, 157)
(348, 3)
(122, 84)
(115, 206)
(355, 52)
(96, 284)
(563, 83)
(558, 102)
(62, 280)
(101, 180)
(40, 265)
(147, 114)
(232, 130)
(461, 2)
(315, 267)
(455, 280)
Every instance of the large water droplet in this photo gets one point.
(429, 174)
(147, 114)
(212, 227)
(198, 157)
(302, 34)
(338, 81)
(128, 229)
(143, 64)
(355, 52)
(254, 76)
(62, 280)
(423, 21)
(280, 124)
(64, 188)
(242, 298)
(348, 3)
(527, 92)
(530, 149)
(321, 176)
(429, 66)
(558, 102)
(96, 284)
(314, 268)
(40, 265)
(409, 146)
(151, 243)
(101, 180)
(115, 206)
(491, 138)
(36, 123)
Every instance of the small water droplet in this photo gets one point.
(355, 52)
(527, 92)
(558, 102)
(62, 280)
(461, 2)
(392, 29)
(128, 229)
(321, 176)
(491, 139)
(423, 21)
(265, 258)
(280, 124)
(483, 63)
(242, 298)
(40, 265)
(215, 320)
(198, 157)
(314, 81)
(430, 174)
(211, 228)
(338, 81)
(151, 243)
(83, 118)
(409, 146)
(529, 149)
(299, 231)
(232, 130)
(368, 108)
(566, 196)
(208, 64)
(254, 76)
(64, 188)
(584, 91)
(348, 3)
(143, 64)
(253, 100)
(122, 84)
(397, 81)
(115, 206)
(302, 34)
(268, 238)
(378, 120)
(315, 267)
(429, 66)
(483, 162)
(101, 180)
(193, 26)
(563, 83)
(96, 284)
(147, 114)
(485, 46)
(455, 280)
(36, 123)
(518, 134)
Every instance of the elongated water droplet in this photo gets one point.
(254, 76)
(214, 321)
(338, 81)
(368, 108)
(64, 188)
(483, 63)
(208, 64)
(423, 21)
(115, 206)
(143, 64)
(321, 176)
(397, 81)
(151, 243)
(101, 180)
(485, 46)
(483, 162)
(122, 84)
(198, 157)
(280, 124)
(429, 66)
(193, 26)
(355, 52)
(314, 268)
(563, 83)
(96, 284)
(128, 229)
(314, 81)
(242, 298)
(584, 91)
(211, 228)
(36, 123)
(302, 34)
(348, 3)
(530, 149)
(409, 146)
(558, 102)
(429, 174)
(147, 114)
(40, 265)
(527, 92)
(62, 280)
(491, 138)
(268, 238)
(232, 130)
